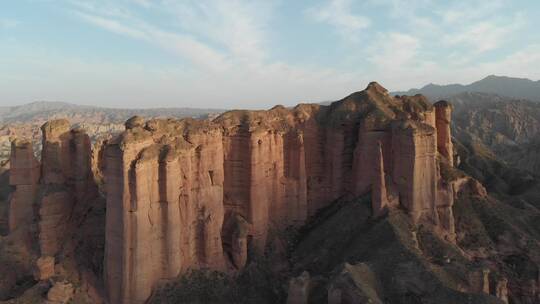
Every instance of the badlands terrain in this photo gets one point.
(375, 198)
(100, 123)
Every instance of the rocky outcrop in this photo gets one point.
(415, 168)
(67, 182)
(165, 210)
(24, 176)
(443, 118)
(187, 194)
(479, 281)
(190, 194)
(299, 288)
(354, 284)
(60, 293)
(501, 290)
(57, 202)
(44, 268)
(379, 199)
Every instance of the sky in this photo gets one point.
(254, 54)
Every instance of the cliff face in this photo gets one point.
(66, 185)
(190, 194)
(165, 210)
(24, 176)
(52, 204)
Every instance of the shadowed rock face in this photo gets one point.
(24, 176)
(67, 181)
(51, 219)
(171, 185)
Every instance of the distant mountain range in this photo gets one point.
(520, 88)
(44, 110)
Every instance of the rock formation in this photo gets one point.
(443, 117)
(24, 176)
(44, 268)
(165, 213)
(501, 290)
(299, 289)
(52, 199)
(379, 199)
(60, 293)
(353, 284)
(190, 194)
(67, 182)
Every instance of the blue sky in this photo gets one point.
(254, 54)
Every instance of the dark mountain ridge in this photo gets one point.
(500, 85)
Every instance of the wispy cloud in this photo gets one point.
(184, 45)
(239, 27)
(394, 50)
(227, 44)
(338, 13)
(237, 53)
(483, 36)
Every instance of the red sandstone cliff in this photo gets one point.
(52, 202)
(185, 194)
(24, 176)
(189, 194)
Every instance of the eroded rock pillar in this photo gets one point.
(24, 175)
(443, 118)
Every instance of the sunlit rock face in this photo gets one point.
(443, 116)
(190, 194)
(165, 211)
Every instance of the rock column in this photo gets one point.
(379, 200)
(24, 176)
(443, 117)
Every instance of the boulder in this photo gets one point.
(44, 268)
(60, 293)
(299, 289)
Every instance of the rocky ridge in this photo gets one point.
(172, 184)
(189, 194)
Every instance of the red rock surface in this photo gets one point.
(44, 268)
(171, 185)
(24, 176)
(443, 118)
(51, 201)
(67, 182)
(184, 194)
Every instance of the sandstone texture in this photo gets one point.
(24, 176)
(365, 198)
(443, 118)
(60, 293)
(44, 268)
(202, 194)
(55, 208)
(67, 183)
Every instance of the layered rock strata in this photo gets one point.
(190, 194)
(52, 198)
(24, 176)
(67, 183)
(443, 118)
